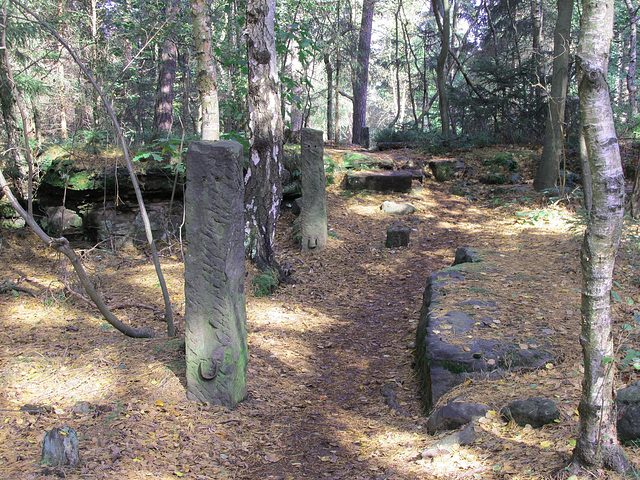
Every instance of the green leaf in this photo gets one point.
(607, 360)
(615, 296)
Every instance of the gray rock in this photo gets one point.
(454, 415)
(629, 423)
(629, 395)
(296, 206)
(82, 408)
(62, 221)
(458, 439)
(451, 442)
(397, 208)
(628, 402)
(445, 169)
(395, 181)
(533, 411)
(60, 447)
(465, 255)
(397, 236)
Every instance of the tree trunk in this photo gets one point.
(597, 444)
(263, 181)
(442, 12)
(163, 110)
(633, 58)
(547, 174)
(16, 162)
(361, 74)
(329, 70)
(206, 75)
(538, 61)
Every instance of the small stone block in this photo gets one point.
(60, 447)
(395, 181)
(397, 236)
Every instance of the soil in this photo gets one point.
(332, 393)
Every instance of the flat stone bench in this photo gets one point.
(381, 181)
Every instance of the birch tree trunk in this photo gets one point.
(597, 444)
(206, 75)
(547, 174)
(263, 182)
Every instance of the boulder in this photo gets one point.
(394, 208)
(628, 402)
(445, 169)
(629, 423)
(124, 226)
(455, 415)
(62, 221)
(533, 411)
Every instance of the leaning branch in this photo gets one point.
(125, 149)
(62, 245)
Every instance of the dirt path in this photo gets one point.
(330, 380)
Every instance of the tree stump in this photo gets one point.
(313, 218)
(215, 313)
(60, 447)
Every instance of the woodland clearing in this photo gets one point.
(320, 349)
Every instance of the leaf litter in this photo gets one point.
(327, 353)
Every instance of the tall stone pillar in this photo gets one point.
(313, 218)
(215, 313)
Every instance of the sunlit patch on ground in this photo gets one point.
(320, 351)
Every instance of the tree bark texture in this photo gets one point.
(215, 314)
(16, 163)
(361, 74)
(597, 444)
(206, 75)
(442, 12)
(633, 58)
(263, 182)
(547, 174)
(313, 218)
(329, 72)
(163, 112)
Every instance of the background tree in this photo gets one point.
(263, 182)
(206, 74)
(442, 13)
(547, 174)
(168, 64)
(597, 444)
(361, 73)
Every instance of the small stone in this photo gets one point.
(60, 447)
(397, 236)
(454, 415)
(533, 411)
(82, 408)
(393, 208)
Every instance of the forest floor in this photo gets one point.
(320, 349)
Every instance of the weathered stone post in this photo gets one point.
(215, 313)
(313, 218)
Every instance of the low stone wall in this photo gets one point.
(460, 338)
